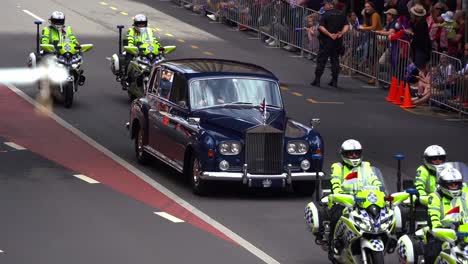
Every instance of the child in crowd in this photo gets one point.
(449, 29)
(312, 34)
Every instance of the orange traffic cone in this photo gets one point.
(407, 103)
(399, 94)
(393, 88)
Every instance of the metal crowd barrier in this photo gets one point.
(366, 53)
(447, 82)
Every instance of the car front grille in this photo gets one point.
(264, 150)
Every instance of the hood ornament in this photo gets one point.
(263, 110)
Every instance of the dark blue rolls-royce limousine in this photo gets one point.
(221, 120)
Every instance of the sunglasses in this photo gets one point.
(454, 185)
(352, 153)
(437, 158)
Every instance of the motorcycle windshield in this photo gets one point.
(364, 177)
(147, 35)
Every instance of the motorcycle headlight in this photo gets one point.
(297, 147)
(386, 223)
(230, 148)
(62, 59)
(461, 258)
(363, 225)
(75, 59)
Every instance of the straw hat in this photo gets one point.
(418, 10)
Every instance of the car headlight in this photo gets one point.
(297, 147)
(230, 148)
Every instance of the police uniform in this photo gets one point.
(438, 206)
(425, 181)
(334, 21)
(51, 35)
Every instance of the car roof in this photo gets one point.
(204, 67)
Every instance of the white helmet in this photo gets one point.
(351, 152)
(57, 19)
(434, 157)
(450, 182)
(140, 20)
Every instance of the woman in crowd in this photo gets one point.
(372, 22)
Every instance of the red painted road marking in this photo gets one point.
(42, 135)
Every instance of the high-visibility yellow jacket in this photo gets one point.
(50, 34)
(340, 170)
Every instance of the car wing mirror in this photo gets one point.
(48, 47)
(314, 122)
(193, 121)
(86, 47)
(131, 49)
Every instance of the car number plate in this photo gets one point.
(267, 183)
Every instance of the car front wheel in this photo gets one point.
(199, 186)
(141, 155)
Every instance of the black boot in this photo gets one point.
(333, 83)
(316, 82)
(81, 80)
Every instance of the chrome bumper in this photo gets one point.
(247, 178)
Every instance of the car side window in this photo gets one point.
(179, 91)
(165, 83)
(153, 87)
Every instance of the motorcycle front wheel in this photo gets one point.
(68, 94)
(374, 257)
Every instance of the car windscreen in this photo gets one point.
(223, 91)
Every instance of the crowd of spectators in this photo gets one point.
(430, 26)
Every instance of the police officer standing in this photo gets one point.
(332, 27)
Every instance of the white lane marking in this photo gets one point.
(169, 217)
(369, 86)
(235, 237)
(86, 178)
(456, 120)
(1, 251)
(33, 15)
(14, 145)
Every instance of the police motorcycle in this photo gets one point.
(62, 56)
(364, 232)
(145, 55)
(454, 235)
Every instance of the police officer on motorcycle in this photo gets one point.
(57, 28)
(449, 194)
(134, 36)
(425, 180)
(351, 161)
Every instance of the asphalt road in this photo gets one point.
(95, 223)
